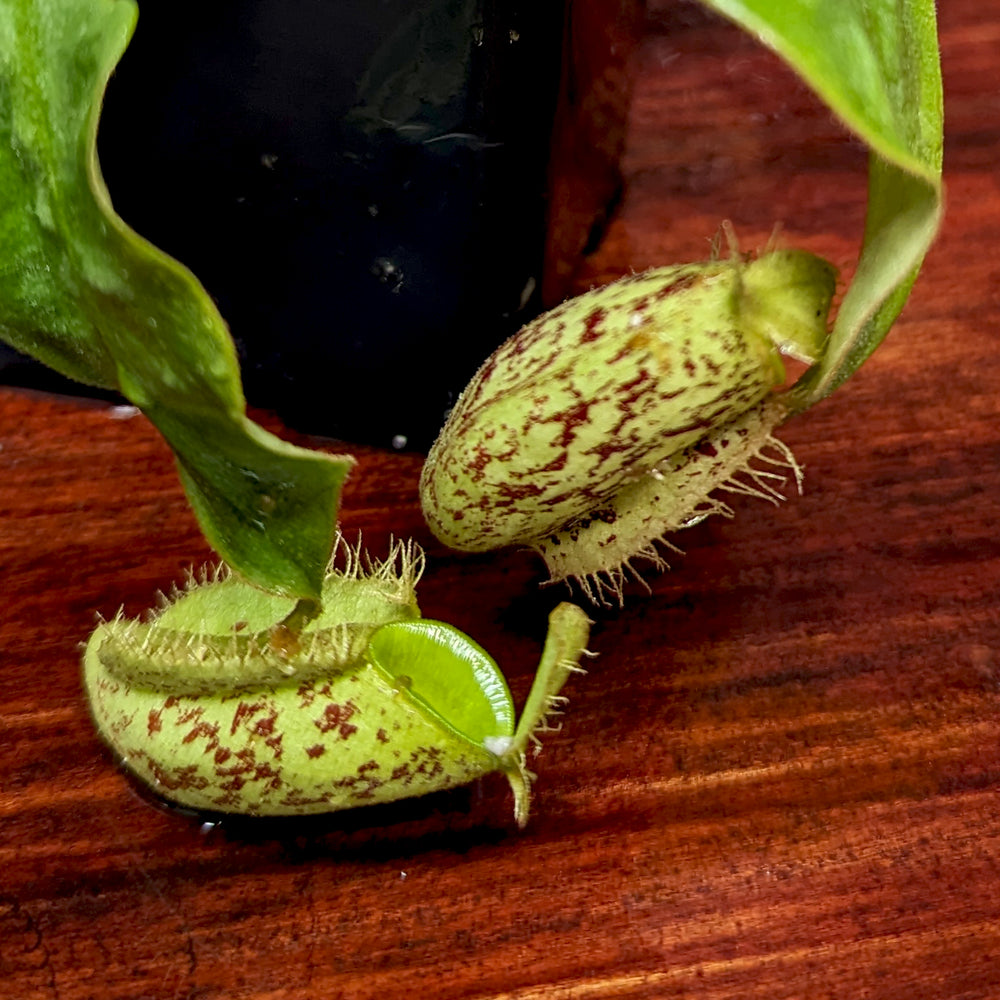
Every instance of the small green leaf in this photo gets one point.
(876, 65)
(87, 296)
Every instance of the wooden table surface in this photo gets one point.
(781, 777)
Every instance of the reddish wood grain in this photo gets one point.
(779, 780)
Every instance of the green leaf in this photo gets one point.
(876, 64)
(87, 296)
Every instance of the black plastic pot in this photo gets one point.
(360, 184)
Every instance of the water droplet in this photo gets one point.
(387, 273)
(529, 289)
(498, 745)
(123, 412)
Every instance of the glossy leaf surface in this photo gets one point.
(90, 298)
